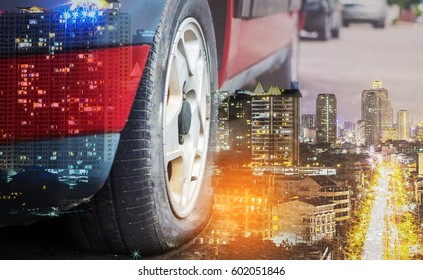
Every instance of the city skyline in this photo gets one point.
(377, 127)
(351, 66)
(389, 115)
(349, 103)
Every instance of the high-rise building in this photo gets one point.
(386, 112)
(360, 135)
(308, 120)
(419, 131)
(308, 128)
(326, 118)
(376, 112)
(275, 126)
(403, 125)
(370, 115)
(222, 128)
(240, 122)
(389, 134)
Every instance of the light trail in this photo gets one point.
(392, 231)
(373, 244)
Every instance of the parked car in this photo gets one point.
(371, 11)
(323, 17)
(109, 107)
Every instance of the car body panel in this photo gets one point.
(243, 56)
(45, 108)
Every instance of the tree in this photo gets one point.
(404, 4)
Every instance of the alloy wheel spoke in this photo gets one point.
(191, 47)
(195, 128)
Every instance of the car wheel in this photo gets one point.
(379, 24)
(345, 23)
(159, 193)
(335, 32)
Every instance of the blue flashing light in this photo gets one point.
(82, 13)
(92, 14)
(67, 15)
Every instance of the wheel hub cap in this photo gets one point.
(184, 118)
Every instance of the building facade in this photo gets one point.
(240, 122)
(312, 187)
(222, 128)
(326, 125)
(404, 128)
(304, 221)
(419, 131)
(275, 126)
(308, 128)
(376, 112)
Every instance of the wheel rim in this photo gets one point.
(186, 117)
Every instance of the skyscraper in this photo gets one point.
(326, 118)
(370, 115)
(234, 123)
(240, 123)
(419, 131)
(308, 128)
(222, 128)
(275, 126)
(403, 125)
(308, 120)
(376, 112)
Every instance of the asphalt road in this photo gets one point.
(362, 55)
(343, 66)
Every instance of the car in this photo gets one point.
(109, 110)
(323, 17)
(365, 11)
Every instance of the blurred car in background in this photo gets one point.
(371, 11)
(323, 17)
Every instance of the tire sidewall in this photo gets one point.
(175, 231)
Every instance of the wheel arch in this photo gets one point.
(219, 10)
